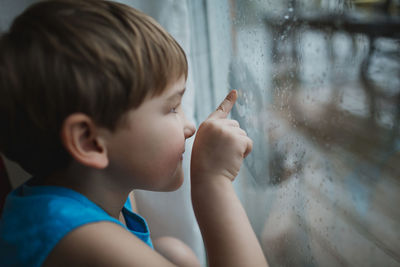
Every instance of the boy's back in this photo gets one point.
(90, 97)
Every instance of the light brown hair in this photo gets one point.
(59, 57)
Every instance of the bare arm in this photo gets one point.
(103, 244)
(218, 152)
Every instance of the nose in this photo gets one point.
(189, 129)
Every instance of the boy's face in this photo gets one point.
(147, 152)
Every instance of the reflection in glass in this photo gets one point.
(319, 93)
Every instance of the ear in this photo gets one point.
(80, 137)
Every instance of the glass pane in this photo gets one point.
(319, 94)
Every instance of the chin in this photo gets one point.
(175, 185)
(165, 183)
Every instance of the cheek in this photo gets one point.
(166, 149)
(169, 138)
(168, 155)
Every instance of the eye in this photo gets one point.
(174, 109)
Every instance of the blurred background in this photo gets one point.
(319, 87)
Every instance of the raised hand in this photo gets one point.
(220, 145)
(218, 152)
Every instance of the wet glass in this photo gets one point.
(319, 94)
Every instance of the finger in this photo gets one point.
(232, 123)
(249, 147)
(240, 131)
(237, 130)
(225, 107)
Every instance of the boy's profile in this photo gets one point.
(90, 105)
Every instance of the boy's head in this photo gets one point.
(61, 57)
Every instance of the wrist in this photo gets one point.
(210, 180)
(207, 189)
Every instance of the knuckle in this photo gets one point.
(207, 124)
(251, 144)
(221, 108)
(235, 122)
(243, 132)
(250, 140)
(212, 126)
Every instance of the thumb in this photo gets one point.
(225, 107)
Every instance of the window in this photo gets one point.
(319, 94)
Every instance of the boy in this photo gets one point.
(90, 95)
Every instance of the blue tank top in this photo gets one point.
(36, 218)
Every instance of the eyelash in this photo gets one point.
(174, 109)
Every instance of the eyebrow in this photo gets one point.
(177, 94)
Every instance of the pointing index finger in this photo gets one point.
(225, 107)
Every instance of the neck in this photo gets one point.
(93, 184)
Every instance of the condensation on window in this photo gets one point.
(319, 94)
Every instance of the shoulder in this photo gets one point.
(103, 244)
